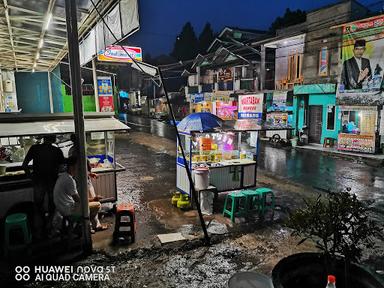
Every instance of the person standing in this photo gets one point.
(46, 161)
(356, 69)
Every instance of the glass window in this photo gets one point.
(331, 117)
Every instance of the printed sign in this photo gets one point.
(279, 103)
(115, 53)
(323, 62)
(361, 77)
(104, 87)
(226, 111)
(250, 106)
(356, 143)
(225, 74)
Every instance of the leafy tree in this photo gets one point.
(186, 44)
(206, 38)
(289, 18)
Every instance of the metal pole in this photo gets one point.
(96, 90)
(189, 174)
(50, 93)
(73, 48)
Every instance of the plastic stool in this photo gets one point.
(14, 222)
(265, 192)
(175, 198)
(183, 202)
(254, 201)
(125, 227)
(236, 209)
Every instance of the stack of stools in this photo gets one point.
(249, 202)
(238, 206)
(254, 201)
(125, 224)
(268, 200)
(17, 233)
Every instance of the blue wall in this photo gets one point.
(322, 100)
(32, 91)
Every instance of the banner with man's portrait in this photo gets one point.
(362, 63)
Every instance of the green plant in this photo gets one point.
(340, 225)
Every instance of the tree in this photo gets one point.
(186, 44)
(289, 18)
(206, 38)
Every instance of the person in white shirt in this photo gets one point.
(65, 195)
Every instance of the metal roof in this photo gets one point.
(62, 126)
(33, 32)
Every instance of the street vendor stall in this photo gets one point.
(228, 150)
(20, 132)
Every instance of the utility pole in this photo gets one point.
(74, 67)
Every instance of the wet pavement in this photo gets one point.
(309, 168)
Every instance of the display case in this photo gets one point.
(18, 136)
(230, 157)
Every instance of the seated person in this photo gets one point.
(65, 195)
(94, 206)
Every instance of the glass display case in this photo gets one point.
(230, 157)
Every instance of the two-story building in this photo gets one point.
(231, 67)
(315, 111)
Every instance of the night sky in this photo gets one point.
(162, 20)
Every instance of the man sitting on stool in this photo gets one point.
(65, 195)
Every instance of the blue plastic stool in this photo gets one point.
(16, 222)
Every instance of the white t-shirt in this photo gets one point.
(65, 189)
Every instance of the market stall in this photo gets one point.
(359, 126)
(20, 132)
(228, 150)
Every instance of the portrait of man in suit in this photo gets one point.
(357, 68)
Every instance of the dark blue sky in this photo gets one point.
(162, 20)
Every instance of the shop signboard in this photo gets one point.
(362, 63)
(197, 98)
(250, 106)
(323, 62)
(104, 86)
(226, 110)
(356, 143)
(279, 102)
(225, 74)
(116, 53)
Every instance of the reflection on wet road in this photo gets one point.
(305, 167)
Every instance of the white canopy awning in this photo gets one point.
(59, 127)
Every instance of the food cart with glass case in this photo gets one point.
(20, 132)
(230, 153)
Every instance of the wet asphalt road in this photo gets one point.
(309, 168)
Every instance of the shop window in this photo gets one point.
(331, 117)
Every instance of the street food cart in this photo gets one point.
(19, 132)
(229, 152)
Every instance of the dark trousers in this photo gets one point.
(43, 203)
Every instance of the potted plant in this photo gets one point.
(341, 227)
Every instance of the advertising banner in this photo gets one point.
(115, 53)
(279, 103)
(104, 86)
(226, 110)
(225, 74)
(251, 106)
(361, 71)
(323, 62)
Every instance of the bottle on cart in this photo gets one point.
(331, 282)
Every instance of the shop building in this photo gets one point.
(232, 67)
(315, 111)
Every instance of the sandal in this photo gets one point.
(101, 228)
